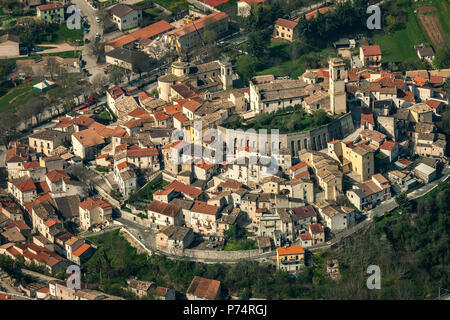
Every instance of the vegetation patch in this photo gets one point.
(290, 119)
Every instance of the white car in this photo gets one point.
(97, 19)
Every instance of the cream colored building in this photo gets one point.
(9, 46)
(46, 141)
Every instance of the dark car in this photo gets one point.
(86, 40)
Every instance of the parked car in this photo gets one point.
(97, 19)
(86, 41)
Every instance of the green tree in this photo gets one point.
(442, 58)
(209, 37)
(246, 67)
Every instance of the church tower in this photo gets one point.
(338, 97)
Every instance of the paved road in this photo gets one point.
(89, 13)
(40, 276)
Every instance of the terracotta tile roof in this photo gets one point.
(83, 121)
(431, 103)
(205, 208)
(180, 117)
(31, 165)
(42, 187)
(367, 117)
(82, 249)
(187, 190)
(115, 92)
(163, 208)
(371, 50)
(290, 250)
(199, 24)
(185, 90)
(88, 138)
(304, 212)
(144, 95)
(148, 32)
(160, 116)
(57, 175)
(122, 165)
(388, 145)
(20, 224)
(316, 228)
(91, 203)
(145, 152)
(286, 23)
(231, 184)
(203, 165)
(177, 144)
(51, 222)
(24, 184)
(205, 288)
(173, 109)
(298, 166)
(315, 13)
(161, 291)
(306, 236)
(49, 6)
(138, 111)
(17, 154)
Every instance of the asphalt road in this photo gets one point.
(89, 13)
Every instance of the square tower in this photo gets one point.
(338, 97)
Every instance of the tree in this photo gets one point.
(246, 67)
(97, 49)
(52, 67)
(446, 86)
(442, 58)
(68, 104)
(116, 75)
(99, 82)
(105, 21)
(209, 37)
(140, 62)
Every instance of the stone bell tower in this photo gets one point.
(338, 97)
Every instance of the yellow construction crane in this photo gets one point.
(173, 39)
(187, 19)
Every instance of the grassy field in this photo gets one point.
(235, 245)
(63, 34)
(284, 65)
(174, 5)
(20, 95)
(399, 46)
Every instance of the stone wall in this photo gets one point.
(315, 139)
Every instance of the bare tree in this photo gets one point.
(52, 67)
(97, 49)
(99, 82)
(117, 74)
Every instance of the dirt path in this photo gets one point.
(59, 48)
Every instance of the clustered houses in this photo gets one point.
(43, 199)
(290, 205)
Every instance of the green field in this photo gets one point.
(20, 95)
(174, 5)
(64, 54)
(399, 46)
(243, 244)
(282, 63)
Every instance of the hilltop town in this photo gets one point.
(166, 134)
